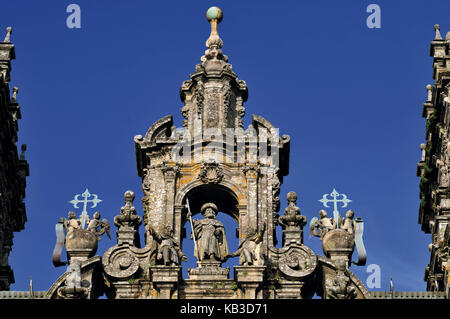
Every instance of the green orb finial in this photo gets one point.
(214, 13)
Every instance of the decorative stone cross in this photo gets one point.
(334, 194)
(75, 201)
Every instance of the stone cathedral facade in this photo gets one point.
(208, 165)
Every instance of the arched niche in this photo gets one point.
(229, 213)
(229, 199)
(224, 198)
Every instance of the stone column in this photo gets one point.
(252, 173)
(170, 175)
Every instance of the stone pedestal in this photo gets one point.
(126, 290)
(79, 254)
(289, 290)
(209, 270)
(166, 279)
(292, 237)
(250, 278)
(126, 235)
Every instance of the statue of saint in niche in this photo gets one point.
(210, 240)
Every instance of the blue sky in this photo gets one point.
(350, 98)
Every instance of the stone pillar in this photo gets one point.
(177, 231)
(170, 175)
(250, 278)
(166, 279)
(252, 174)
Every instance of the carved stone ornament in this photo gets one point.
(341, 287)
(170, 171)
(210, 173)
(119, 262)
(199, 95)
(297, 262)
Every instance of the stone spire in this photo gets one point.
(214, 42)
(213, 97)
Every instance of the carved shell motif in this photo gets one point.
(210, 173)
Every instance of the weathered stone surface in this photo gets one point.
(434, 165)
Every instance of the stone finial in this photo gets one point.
(429, 90)
(214, 16)
(447, 36)
(437, 28)
(15, 91)
(291, 197)
(128, 216)
(8, 35)
(292, 221)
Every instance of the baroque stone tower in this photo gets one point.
(433, 168)
(189, 175)
(13, 167)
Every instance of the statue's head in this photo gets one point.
(167, 230)
(322, 213)
(72, 214)
(96, 215)
(350, 214)
(209, 210)
(129, 196)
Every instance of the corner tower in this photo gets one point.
(433, 168)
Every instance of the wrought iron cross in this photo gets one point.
(334, 194)
(75, 201)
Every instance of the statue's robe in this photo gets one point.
(207, 241)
